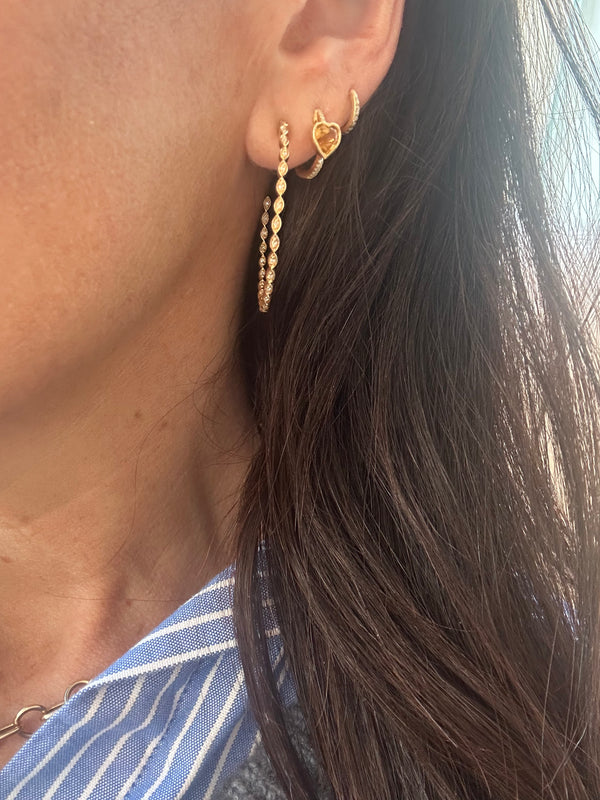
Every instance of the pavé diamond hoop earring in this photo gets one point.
(327, 137)
(267, 263)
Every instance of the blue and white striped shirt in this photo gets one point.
(167, 720)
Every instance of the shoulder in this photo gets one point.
(256, 779)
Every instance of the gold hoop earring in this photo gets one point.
(327, 137)
(267, 263)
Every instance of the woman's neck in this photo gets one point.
(117, 498)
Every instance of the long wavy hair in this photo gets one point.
(426, 388)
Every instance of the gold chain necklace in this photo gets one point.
(17, 727)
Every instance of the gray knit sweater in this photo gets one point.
(255, 779)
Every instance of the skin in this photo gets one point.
(137, 141)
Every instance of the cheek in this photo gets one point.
(98, 177)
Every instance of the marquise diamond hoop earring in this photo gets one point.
(327, 137)
(267, 263)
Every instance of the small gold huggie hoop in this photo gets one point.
(327, 137)
(267, 263)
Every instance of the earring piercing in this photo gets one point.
(327, 137)
(267, 263)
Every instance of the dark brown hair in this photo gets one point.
(427, 484)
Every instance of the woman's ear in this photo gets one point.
(323, 49)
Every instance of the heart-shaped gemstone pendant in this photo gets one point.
(326, 135)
